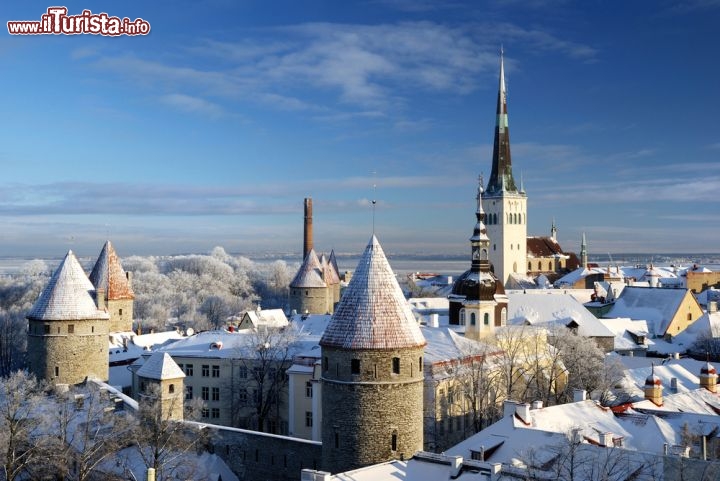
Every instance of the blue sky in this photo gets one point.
(211, 129)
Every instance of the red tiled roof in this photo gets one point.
(543, 247)
(373, 313)
(108, 274)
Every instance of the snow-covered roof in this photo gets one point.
(622, 328)
(193, 467)
(312, 325)
(685, 370)
(310, 273)
(108, 274)
(160, 366)
(267, 317)
(69, 295)
(373, 313)
(444, 344)
(429, 303)
(657, 306)
(222, 344)
(551, 310)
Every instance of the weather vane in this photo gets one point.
(374, 173)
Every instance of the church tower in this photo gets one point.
(478, 299)
(68, 328)
(583, 253)
(505, 205)
(372, 371)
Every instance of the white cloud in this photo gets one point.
(193, 105)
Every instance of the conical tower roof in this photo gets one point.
(310, 273)
(109, 274)
(373, 313)
(160, 366)
(69, 295)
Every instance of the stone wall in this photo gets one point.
(67, 352)
(121, 315)
(254, 455)
(314, 300)
(365, 415)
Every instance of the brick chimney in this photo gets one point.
(308, 232)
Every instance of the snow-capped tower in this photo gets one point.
(108, 276)
(478, 299)
(68, 328)
(653, 388)
(583, 253)
(372, 371)
(553, 230)
(506, 207)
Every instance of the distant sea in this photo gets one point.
(452, 265)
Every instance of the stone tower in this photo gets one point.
(67, 330)
(372, 371)
(478, 299)
(309, 290)
(160, 380)
(108, 276)
(505, 205)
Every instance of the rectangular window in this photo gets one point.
(188, 369)
(258, 373)
(120, 312)
(215, 413)
(205, 393)
(188, 392)
(57, 371)
(308, 419)
(308, 389)
(242, 398)
(205, 413)
(205, 370)
(216, 394)
(71, 328)
(355, 366)
(216, 371)
(325, 363)
(242, 372)
(396, 365)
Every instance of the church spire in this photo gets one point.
(583, 252)
(501, 178)
(480, 242)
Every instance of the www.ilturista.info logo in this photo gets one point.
(57, 22)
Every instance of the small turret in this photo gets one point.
(653, 388)
(708, 377)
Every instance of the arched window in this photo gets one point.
(171, 388)
(393, 441)
(486, 319)
(462, 317)
(503, 316)
(529, 266)
(472, 318)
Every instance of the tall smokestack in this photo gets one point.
(308, 240)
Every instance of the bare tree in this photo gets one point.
(87, 431)
(266, 356)
(23, 433)
(162, 442)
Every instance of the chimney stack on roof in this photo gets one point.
(308, 232)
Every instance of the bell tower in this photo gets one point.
(505, 205)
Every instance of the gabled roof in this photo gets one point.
(69, 295)
(373, 313)
(108, 274)
(160, 366)
(310, 273)
(655, 305)
(267, 317)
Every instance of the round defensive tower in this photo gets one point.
(67, 330)
(309, 291)
(372, 371)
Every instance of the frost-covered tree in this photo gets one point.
(23, 427)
